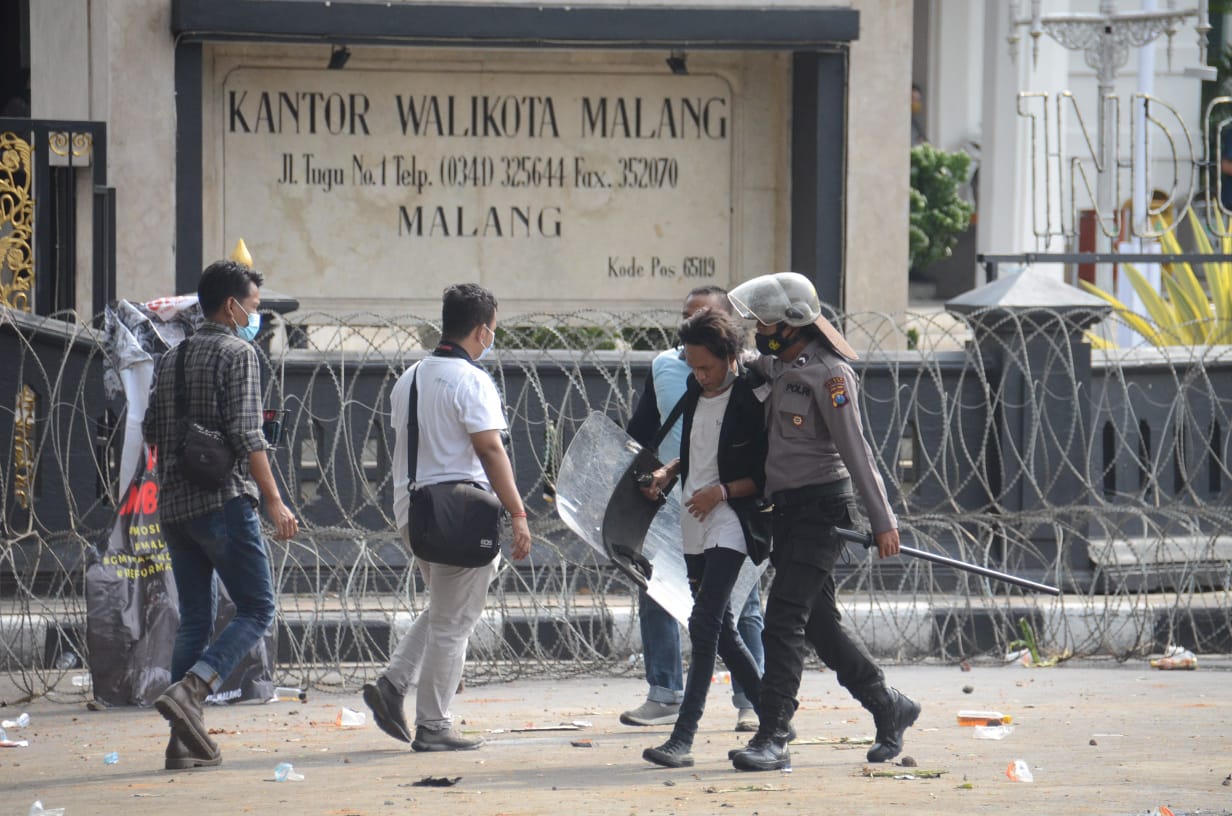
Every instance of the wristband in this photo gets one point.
(723, 487)
(518, 515)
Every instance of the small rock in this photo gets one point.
(1092, 742)
(965, 666)
(908, 762)
(968, 689)
(1227, 781)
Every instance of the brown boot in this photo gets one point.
(181, 705)
(179, 757)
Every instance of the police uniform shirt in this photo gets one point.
(815, 432)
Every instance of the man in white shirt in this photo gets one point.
(460, 426)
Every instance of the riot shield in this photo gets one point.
(598, 498)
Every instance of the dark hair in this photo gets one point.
(463, 307)
(225, 279)
(718, 332)
(713, 291)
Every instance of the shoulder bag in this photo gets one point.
(455, 523)
(205, 459)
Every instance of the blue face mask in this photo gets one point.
(488, 349)
(248, 332)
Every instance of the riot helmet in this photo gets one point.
(786, 297)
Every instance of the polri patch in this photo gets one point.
(797, 420)
(837, 386)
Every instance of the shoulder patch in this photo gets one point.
(837, 386)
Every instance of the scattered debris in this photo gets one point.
(908, 762)
(965, 666)
(968, 689)
(1019, 771)
(437, 782)
(560, 727)
(1028, 652)
(970, 718)
(833, 741)
(582, 743)
(1092, 742)
(1176, 657)
(921, 773)
(992, 732)
(1227, 780)
(746, 789)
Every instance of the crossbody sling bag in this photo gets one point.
(204, 457)
(455, 523)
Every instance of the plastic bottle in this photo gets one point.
(290, 693)
(68, 660)
(21, 722)
(82, 681)
(992, 732)
(973, 718)
(285, 772)
(111, 758)
(723, 677)
(350, 718)
(37, 809)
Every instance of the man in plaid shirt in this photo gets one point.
(215, 531)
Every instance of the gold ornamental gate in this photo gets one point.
(41, 163)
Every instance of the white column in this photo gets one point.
(60, 59)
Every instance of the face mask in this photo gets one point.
(248, 332)
(488, 349)
(772, 343)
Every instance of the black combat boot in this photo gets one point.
(788, 734)
(893, 713)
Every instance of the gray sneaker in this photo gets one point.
(386, 705)
(746, 720)
(651, 713)
(448, 739)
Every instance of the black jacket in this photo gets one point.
(742, 454)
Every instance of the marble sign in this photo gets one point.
(580, 189)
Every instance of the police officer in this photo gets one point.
(816, 451)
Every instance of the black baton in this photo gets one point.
(866, 540)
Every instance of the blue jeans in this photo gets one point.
(227, 542)
(661, 651)
(712, 630)
(749, 626)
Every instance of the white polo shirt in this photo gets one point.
(456, 399)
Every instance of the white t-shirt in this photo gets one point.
(721, 527)
(456, 399)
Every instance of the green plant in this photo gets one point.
(1182, 314)
(938, 214)
(1029, 643)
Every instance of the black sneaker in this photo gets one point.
(386, 705)
(671, 754)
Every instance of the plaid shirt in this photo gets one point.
(223, 380)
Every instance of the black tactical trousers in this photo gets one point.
(801, 607)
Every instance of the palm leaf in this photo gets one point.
(1170, 330)
(1134, 321)
(1190, 316)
